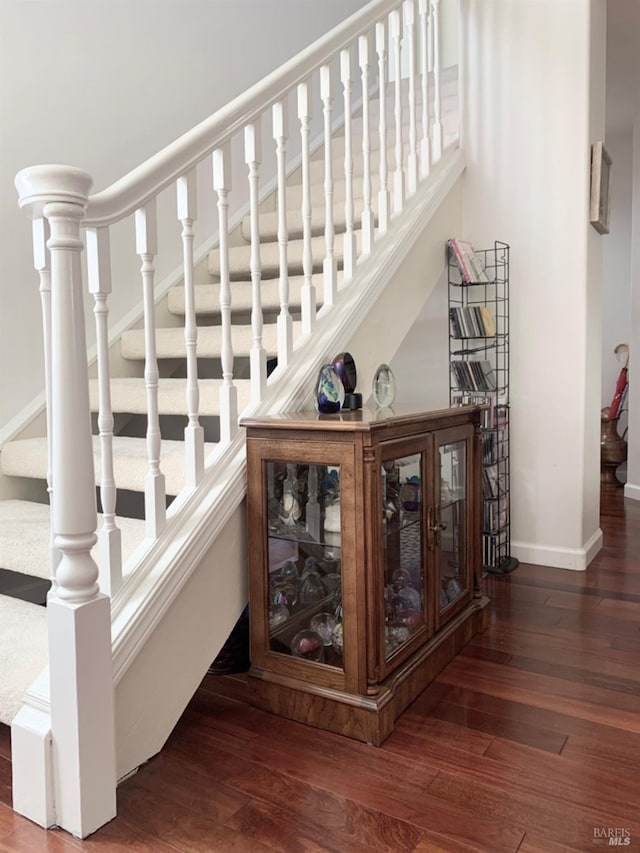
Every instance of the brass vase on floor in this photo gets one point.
(613, 449)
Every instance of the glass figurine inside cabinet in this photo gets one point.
(449, 523)
(305, 561)
(404, 575)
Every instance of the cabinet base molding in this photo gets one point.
(369, 719)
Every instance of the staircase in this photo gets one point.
(342, 232)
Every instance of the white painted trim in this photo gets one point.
(632, 491)
(22, 420)
(575, 559)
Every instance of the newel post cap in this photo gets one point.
(41, 185)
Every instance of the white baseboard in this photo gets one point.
(632, 491)
(575, 559)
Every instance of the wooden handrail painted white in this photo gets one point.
(158, 172)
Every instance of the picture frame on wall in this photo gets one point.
(600, 179)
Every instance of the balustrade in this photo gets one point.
(258, 359)
(308, 302)
(330, 267)
(228, 392)
(154, 484)
(187, 203)
(109, 537)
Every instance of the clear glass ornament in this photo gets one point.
(384, 386)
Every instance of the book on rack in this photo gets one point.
(470, 263)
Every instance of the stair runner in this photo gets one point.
(24, 525)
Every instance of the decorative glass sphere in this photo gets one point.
(278, 614)
(329, 391)
(337, 639)
(312, 589)
(345, 367)
(308, 645)
(384, 386)
(323, 623)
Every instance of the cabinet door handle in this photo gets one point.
(438, 525)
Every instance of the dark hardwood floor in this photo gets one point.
(529, 740)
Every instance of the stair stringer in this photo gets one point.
(173, 615)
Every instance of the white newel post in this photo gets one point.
(42, 264)
(68, 776)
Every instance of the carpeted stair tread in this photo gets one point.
(27, 457)
(23, 651)
(130, 395)
(170, 342)
(240, 256)
(207, 296)
(24, 537)
(268, 222)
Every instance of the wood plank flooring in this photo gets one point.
(528, 741)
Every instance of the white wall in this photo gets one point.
(616, 284)
(421, 365)
(102, 85)
(534, 104)
(632, 487)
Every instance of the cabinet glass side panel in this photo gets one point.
(451, 522)
(404, 576)
(304, 562)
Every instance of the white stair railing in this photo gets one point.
(57, 199)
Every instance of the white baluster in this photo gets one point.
(398, 175)
(285, 325)
(228, 391)
(349, 238)
(367, 212)
(308, 295)
(330, 266)
(437, 106)
(383, 193)
(425, 148)
(187, 203)
(154, 483)
(79, 753)
(109, 537)
(42, 264)
(258, 357)
(410, 40)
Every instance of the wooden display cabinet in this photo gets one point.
(364, 560)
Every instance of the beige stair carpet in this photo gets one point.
(23, 651)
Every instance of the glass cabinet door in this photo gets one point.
(304, 562)
(448, 523)
(403, 552)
